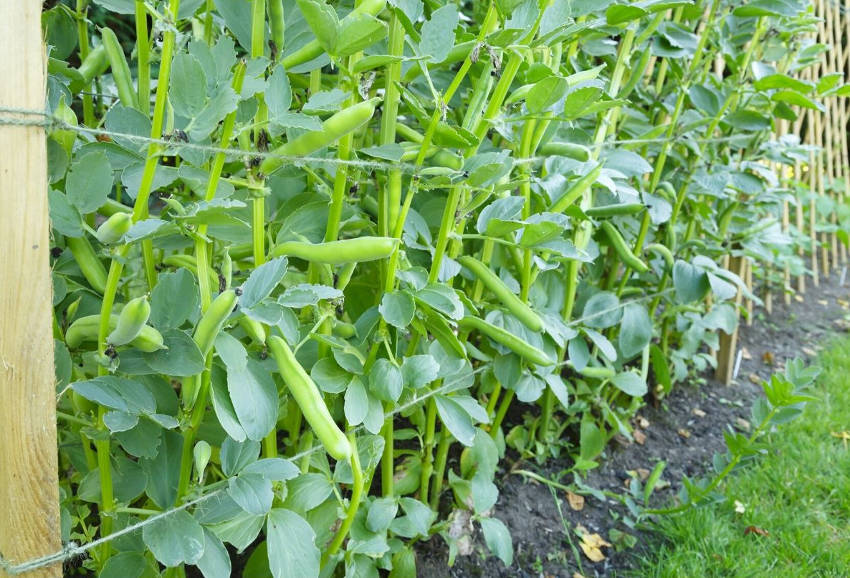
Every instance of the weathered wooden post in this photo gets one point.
(29, 490)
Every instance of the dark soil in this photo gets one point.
(684, 438)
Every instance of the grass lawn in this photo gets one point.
(799, 495)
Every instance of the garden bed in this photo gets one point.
(677, 433)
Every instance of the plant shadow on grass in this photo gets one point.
(786, 514)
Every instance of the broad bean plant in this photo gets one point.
(319, 265)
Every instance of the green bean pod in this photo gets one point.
(213, 320)
(338, 252)
(189, 262)
(594, 372)
(514, 304)
(91, 267)
(566, 149)
(576, 190)
(614, 210)
(113, 228)
(85, 329)
(309, 400)
(506, 338)
(623, 250)
(661, 250)
(334, 128)
(254, 329)
(131, 321)
(94, 64)
(120, 69)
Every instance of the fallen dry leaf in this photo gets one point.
(742, 424)
(756, 530)
(592, 544)
(745, 353)
(643, 474)
(843, 436)
(739, 507)
(823, 302)
(798, 298)
(809, 351)
(755, 378)
(767, 358)
(684, 433)
(643, 422)
(640, 437)
(844, 303)
(698, 412)
(575, 501)
(842, 324)
(577, 575)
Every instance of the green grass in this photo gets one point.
(799, 493)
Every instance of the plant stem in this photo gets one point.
(143, 58)
(500, 414)
(428, 449)
(353, 504)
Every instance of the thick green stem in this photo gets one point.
(143, 58)
(428, 449)
(500, 414)
(353, 504)
(440, 469)
(83, 40)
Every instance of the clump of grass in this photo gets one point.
(786, 515)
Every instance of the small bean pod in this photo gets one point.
(623, 250)
(515, 305)
(85, 329)
(213, 320)
(131, 321)
(614, 210)
(113, 228)
(506, 338)
(91, 267)
(576, 190)
(338, 252)
(334, 128)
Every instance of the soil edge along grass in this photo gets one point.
(786, 513)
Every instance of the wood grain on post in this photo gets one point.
(29, 490)
(728, 345)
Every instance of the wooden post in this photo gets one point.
(29, 488)
(728, 346)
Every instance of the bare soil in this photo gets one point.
(685, 431)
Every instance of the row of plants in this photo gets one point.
(318, 267)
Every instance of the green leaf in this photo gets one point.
(64, 216)
(419, 370)
(323, 21)
(416, 521)
(278, 95)
(306, 294)
(591, 440)
(690, 282)
(382, 511)
(186, 90)
(117, 393)
(455, 418)
(441, 298)
(437, 34)
(774, 81)
(128, 565)
(235, 456)
(385, 381)
(397, 308)
(175, 539)
(181, 358)
(262, 281)
(631, 383)
(163, 471)
(356, 402)
(291, 545)
(635, 330)
(795, 98)
(219, 106)
(359, 31)
(174, 300)
(307, 492)
(498, 539)
(254, 397)
(620, 13)
(215, 562)
(602, 310)
(89, 182)
(253, 492)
